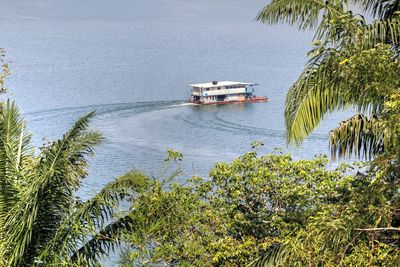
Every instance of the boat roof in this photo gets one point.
(222, 83)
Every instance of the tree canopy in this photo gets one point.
(300, 212)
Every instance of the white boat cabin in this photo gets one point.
(224, 91)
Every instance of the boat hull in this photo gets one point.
(247, 100)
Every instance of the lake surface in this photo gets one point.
(131, 61)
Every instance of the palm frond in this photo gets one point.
(353, 34)
(276, 256)
(358, 135)
(337, 81)
(305, 13)
(102, 242)
(83, 234)
(322, 88)
(14, 151)
(311, 97)
(381, 31)
(50, 195)
(384, 9)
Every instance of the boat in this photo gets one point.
(224, 92)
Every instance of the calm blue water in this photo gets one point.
(132, 60)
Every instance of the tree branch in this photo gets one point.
(389, 229)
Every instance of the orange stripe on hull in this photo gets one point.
(249, 100)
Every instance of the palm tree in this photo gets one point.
(385, 9)
(327, 84)
(353, 63)
(42, 221)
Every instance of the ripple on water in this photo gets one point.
(137, 135)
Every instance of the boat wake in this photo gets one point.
(185, 104)
(216, 122)
(104, 112)
(107, 109)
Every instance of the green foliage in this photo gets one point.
(269, 211)
(375, 73)
(355, 232)
(304, 13)
(258, 210)
(267, 198)
(4, 71)
(381, 8)
(171, 224)
(241, 210)
(42, 221)
(353, 63)
(347, 66)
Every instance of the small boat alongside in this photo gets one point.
(224, 92)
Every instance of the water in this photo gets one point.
(132, 60)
